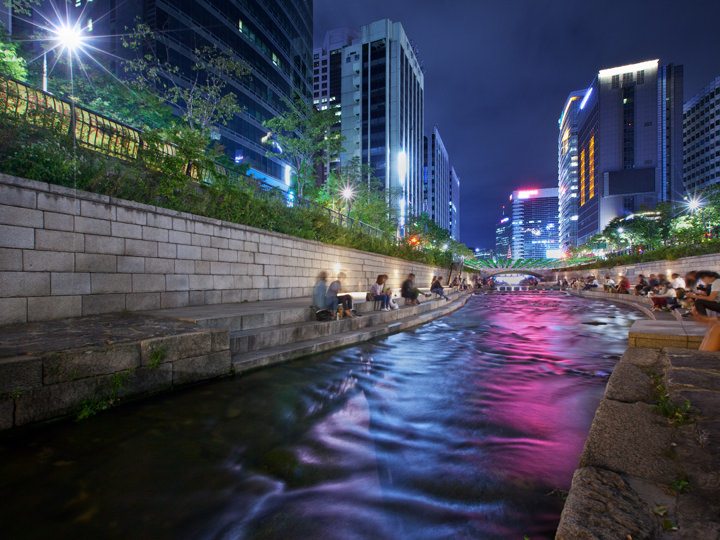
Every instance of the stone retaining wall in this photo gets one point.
(83, 381)
(681, 266)
(67, 253)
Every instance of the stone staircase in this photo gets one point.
(284, 330)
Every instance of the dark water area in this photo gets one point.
(459, 429)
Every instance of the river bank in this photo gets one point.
(80, 366)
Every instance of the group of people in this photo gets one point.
(329, 301)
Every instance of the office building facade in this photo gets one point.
(629, 143)
(568, 171)
(436, 196)
(503, 237)
(454, 205)
(273, 38)
(534, 220)
(701, 139)
(327, 81)
(383, 113)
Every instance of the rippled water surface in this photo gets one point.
(458, 429)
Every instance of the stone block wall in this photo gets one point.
(632, 271)
(67, 253)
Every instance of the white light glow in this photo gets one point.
(627, 69)
(288, 172)
(402, 166)
(587, 96)
(69, 37)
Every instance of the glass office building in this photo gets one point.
(568, 171)
(701, 139)
(629, 143)
(437, 193)
(273, 38)
(534, 223)
(383, 112)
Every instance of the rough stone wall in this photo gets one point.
(67, 253)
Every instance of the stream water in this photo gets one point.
(466, 427)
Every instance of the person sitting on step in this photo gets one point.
(377, 292)
(437, 288)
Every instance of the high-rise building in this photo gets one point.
(273, 38)
(437, 190)
(568, 171)
(629, 143)
(454, 205)
(327, 79)
(701, 138)
(503, 237)
(534, 223)
(383, 112)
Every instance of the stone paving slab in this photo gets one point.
(655, 334)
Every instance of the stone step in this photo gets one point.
(346, 332)
(244, 341)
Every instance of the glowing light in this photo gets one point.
(587, 96)
(445, 246)
(288, 171)
(336, 267)
(527, 193)
(693, 204)
(603, 73)
(347, 193)
(620, 230)
(402, 166)
(70, 37)
(414, 240)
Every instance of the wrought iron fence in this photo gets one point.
(110, 137)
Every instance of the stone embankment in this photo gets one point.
(650, 468)
(79, 366)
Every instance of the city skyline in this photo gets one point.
(497, 77)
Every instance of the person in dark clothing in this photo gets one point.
(703, 303)
(409, 291)
(437, 288)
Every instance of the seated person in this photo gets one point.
(709, 301)
(437, 288)
(624, 286)
(711, 341)
(320, 292)
(377, 291)
(333, 299)
(409, 291)
(663, 297)
(609, 285)
(592, 283)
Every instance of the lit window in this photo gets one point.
(582, 178)
(240, 25)
(591, 165)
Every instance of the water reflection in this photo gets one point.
(458, 429)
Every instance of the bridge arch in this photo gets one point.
(509, 271)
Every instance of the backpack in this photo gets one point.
(323, 315)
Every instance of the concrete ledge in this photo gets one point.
(685, 334)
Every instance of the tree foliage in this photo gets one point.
(305, 137)
(11, 63)
(203, 96)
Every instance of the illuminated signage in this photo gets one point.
(527, 193)
(628, 69)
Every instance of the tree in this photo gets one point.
(202, 96)
(305, 137)
(11, 63)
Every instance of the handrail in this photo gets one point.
(110, 137)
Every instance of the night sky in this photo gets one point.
(497, 74)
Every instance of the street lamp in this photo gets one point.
(70, 38)
(348, 194)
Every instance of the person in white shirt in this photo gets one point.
(677, 282)
(703, 303)
(377, 291)
(609, 284)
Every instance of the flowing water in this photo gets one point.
(462, 428)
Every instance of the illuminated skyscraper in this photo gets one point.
(629, 143)
(437, 188)
(701, 138)
(327, 79)
(454, 205)
(383, 112)
(568, 171)
(534, 221)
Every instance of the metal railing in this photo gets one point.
(110, 137)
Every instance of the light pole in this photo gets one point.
(348, 194)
